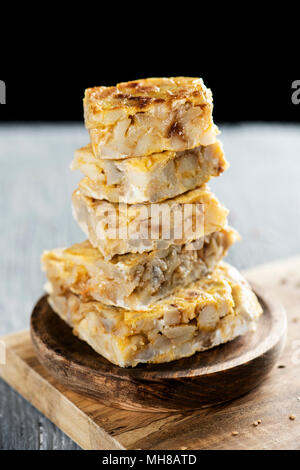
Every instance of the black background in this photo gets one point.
(249, 67)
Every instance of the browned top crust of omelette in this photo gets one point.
(140, 95)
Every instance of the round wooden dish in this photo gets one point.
(205, 379)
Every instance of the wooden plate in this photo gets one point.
(207, 378)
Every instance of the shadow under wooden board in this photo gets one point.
(96, 426)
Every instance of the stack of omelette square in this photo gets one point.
(149, 284)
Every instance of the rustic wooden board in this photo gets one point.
(95, 426)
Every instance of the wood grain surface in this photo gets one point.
(96, 426)
(204, 379)
(261, 189)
